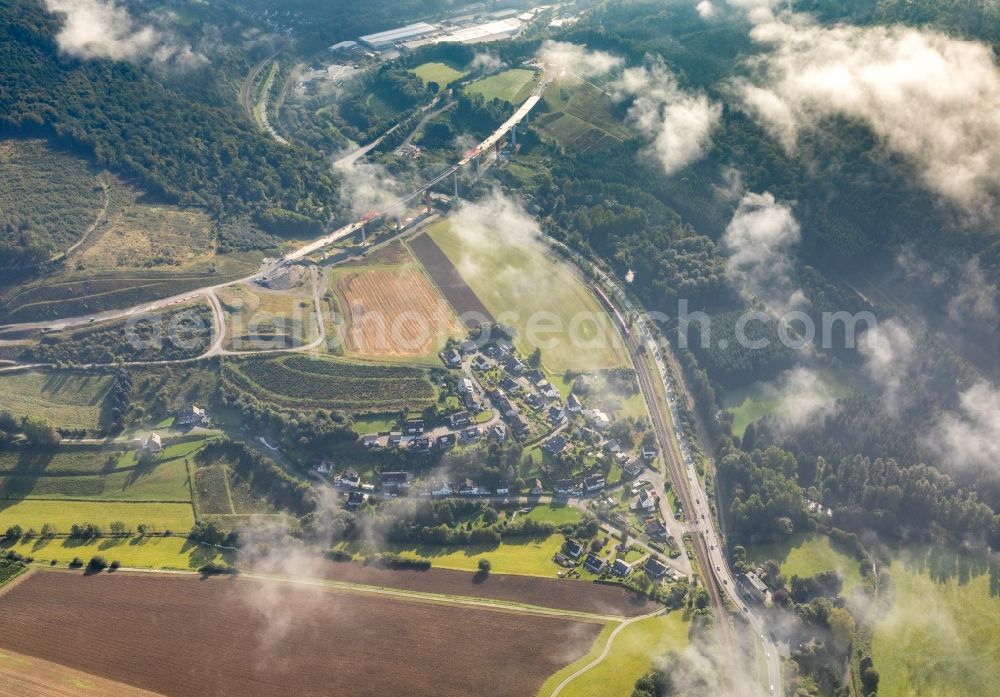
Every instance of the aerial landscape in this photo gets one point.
(596, 348)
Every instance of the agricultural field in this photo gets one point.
(301, 382)
(441, 73)
(62, 514)
(573, 596)
(523, 287)
(223, 497)
(30, 675)
(278, 638)
(528, 557)
(449, 281)
(175, 552)
(261, 318)
(512, 86)
(580, 117)
(55, 194)
(806, 555)
(940, 637)
(70, 400)
(163, 390)
(393, 311)
(632, 655)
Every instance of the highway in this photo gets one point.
(654, 380)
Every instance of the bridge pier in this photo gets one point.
(513, 137)
(456, 183)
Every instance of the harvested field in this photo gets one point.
(185, 636)
(394, 312)
(466, 303)
(576, 596)
(23, 675)
(72, 400)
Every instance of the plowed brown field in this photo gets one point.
(576, 596)
(394, 312)
(186, 636)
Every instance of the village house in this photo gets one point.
(468, 347)
(395, 481)
(534, 401)
(481, 364)
(633, 469)
(598, 419)
(395, 438)
(421, 445)
(573, 404)
(459, 419)
(556, 444)
(594, 482)
(535, 376)
(499, 431)
(621, 568)
(414, 426)
(349, 478)
(648, 452)
(466, 386)
(645, 501)
(655, 568)
(653, 527)
(369, 440)
(536, 488)
(446, 441)
(565, 487)
(612, 447)
(355, 499)
(515, 366)
(594, 563)
(510, 384)
(573, 549)
(503, 488)
(452, 358)
(520, 425)
(556, 415)
(471, 434)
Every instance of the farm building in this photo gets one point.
(191, 416)
(391, 37)
(153, 443)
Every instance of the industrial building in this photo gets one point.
(388, 39)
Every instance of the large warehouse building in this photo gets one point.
(387, 39)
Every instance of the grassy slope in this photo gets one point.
(939, 639)
(33, 513)
(526, 557)
(65, 399)
(631, 656)
(808, 555)
(501, 272)
(149, 552)
(509, 86)
(441, 73)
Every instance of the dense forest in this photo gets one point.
(119, 115)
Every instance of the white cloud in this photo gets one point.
(929, 97)
(485, 62)
(759, 241)
(970, 437)
(976, 300)
(105, 29)
(563, 58)
(803, 397)
(890, 360)
(679, 123)
(705, 9)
